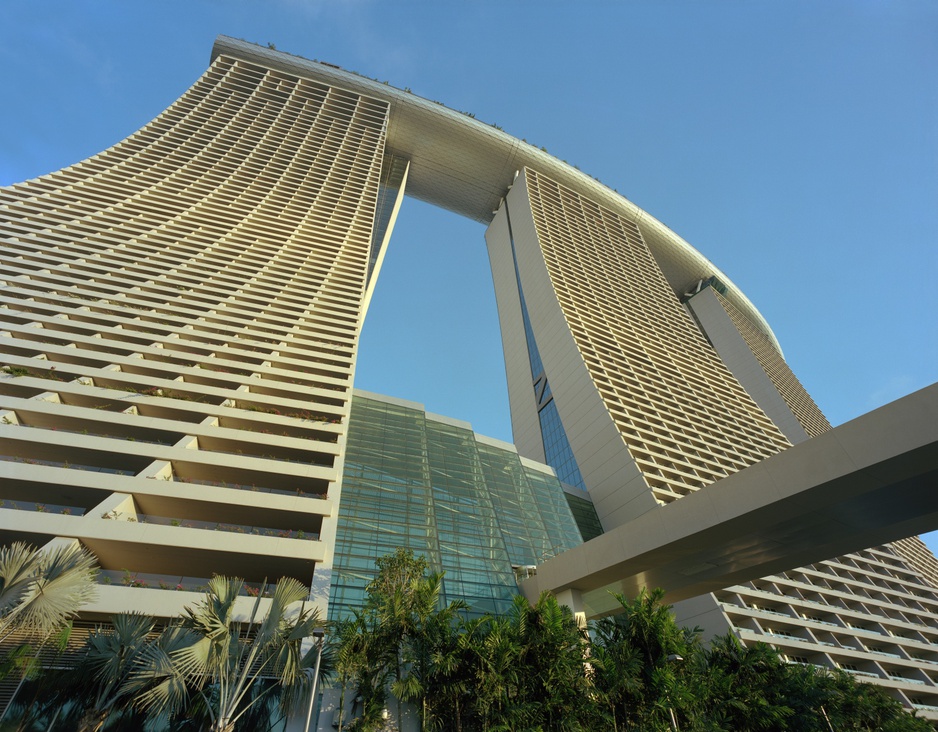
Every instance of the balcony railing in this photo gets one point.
(786, 636)
(253, 488)
(857, 672)
(822, 622)
(865, 630)
(885, 653)
(43, 507)
(130, 436)
(66, 464)
(905, 680)
(221, 526)
(770, 612)
(173, 583)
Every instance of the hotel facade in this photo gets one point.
(179, 323)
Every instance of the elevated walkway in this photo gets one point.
(867, 482)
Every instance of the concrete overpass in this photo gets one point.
(867, 482)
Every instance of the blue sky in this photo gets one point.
(795, 144)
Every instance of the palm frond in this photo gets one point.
(62, 581)
(158, 683)
(111, 654)
(225, 658)
(18, 562)
(287, 592)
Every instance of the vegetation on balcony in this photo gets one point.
(210, 525)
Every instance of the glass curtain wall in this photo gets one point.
(470, 505)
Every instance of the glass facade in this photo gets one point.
(470, 505)
(585, 515)
(557, 450)
(556, 446)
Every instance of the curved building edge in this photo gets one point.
(466, 166)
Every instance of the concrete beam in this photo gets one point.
(867, 482)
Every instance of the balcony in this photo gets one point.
(41, 507)
(68, 465)
(906, 680)
(885, 653)
(787, 636)
(174, 583)
(857, 672)
(218, 526)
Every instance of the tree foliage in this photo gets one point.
(226, 663)
(534, 669)
(223, 658)
(41, 590)
(409, 653)
(110, 660)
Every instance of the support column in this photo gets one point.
(573, 599)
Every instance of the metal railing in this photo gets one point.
(173, 583)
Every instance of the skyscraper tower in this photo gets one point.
(621, 373)
(641, 394)
(180, 320)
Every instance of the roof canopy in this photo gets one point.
(467, 166)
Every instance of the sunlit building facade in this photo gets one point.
(179, 323)
(642, 394)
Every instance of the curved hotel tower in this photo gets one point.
(179, 322)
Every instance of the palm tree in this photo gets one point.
(823, 700)
(427, 631)
(390, 645)
(349, 658)
(110, 659)
(450, 688)
(42, 590)
(739, 685)
(498, 673)
(646, 632)
(397, 597)
(27, 660)
(224, 659)
(553, 655)
(365, 664)
(615, 672)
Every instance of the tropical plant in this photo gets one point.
(451, 688)
(615, 672)
(639, 652)
(25, 660)
(349, 657)
(401, 647)
(224, 660)
(823, 700)
(374, 642)
(41, 590)
(553, 654)
(742, 687)
(398, 598)
(428, 632)
(532, 668)
(497, 676)
(365, 663)
(107, 666)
